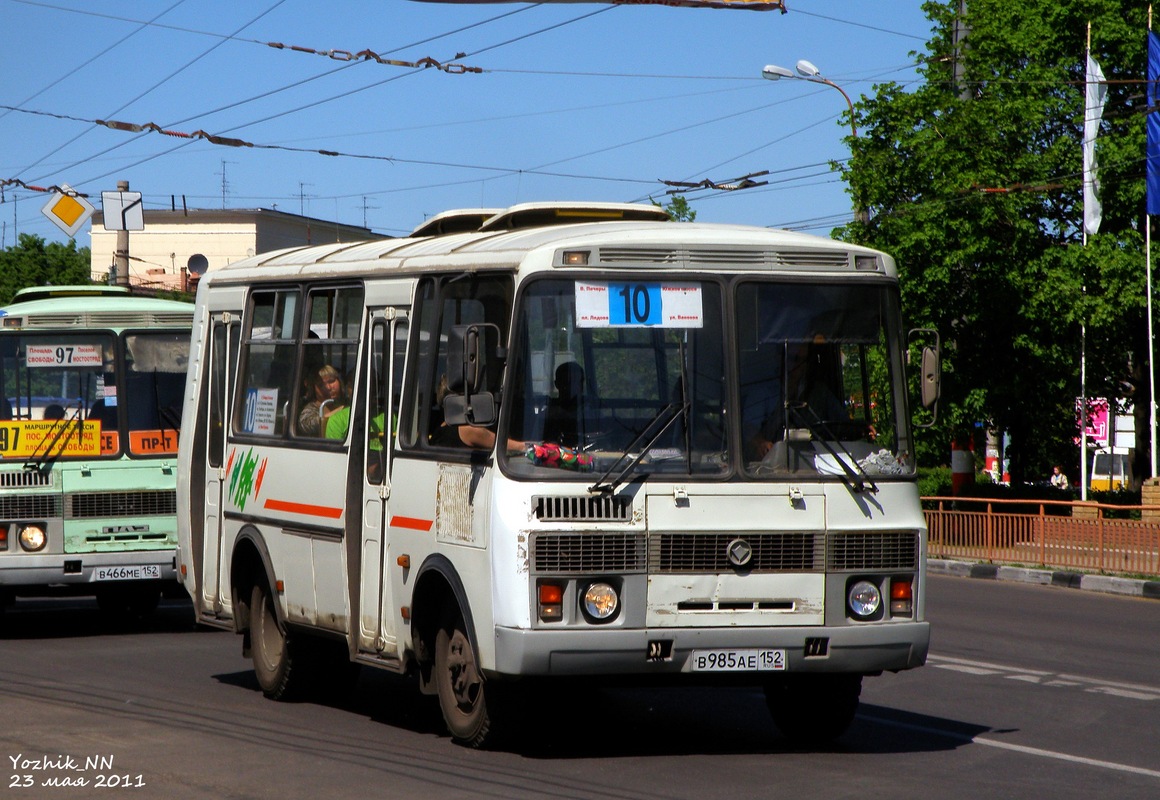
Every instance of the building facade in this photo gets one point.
(176, 246)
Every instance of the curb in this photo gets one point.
(1107, 584)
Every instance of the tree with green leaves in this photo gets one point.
(32, 262)
(678, 209)
(974, 182)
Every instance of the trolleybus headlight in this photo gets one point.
(601, 602)
(32, 538)
(864, 599)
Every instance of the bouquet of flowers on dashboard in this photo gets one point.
(548, 454)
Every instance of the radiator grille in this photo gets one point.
(94, 505)
(29, 506)
(25, 478)
(708, 552)
(872, 551)
(582, 509)
(588, 552)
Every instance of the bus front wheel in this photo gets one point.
(813, 709)
(468, 705)
(274, 664)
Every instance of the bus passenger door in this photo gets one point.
(223, 348)
(388, 343)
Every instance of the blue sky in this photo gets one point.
(575, 101)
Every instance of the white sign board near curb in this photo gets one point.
(68, 210)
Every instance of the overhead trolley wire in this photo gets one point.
(161, 82)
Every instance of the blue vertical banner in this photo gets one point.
(1152, 150)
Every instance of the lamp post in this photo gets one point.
(806, 71)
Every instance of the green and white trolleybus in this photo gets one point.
(91, 381)
(553, 443)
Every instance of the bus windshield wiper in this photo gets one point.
(166, 419)
(858, 480)
(48, 451)
(659, 423)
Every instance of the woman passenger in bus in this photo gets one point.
(329, 397)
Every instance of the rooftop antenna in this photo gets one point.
(365, 207)
(302, 198)
(225, 183)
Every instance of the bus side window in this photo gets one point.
(269, 354)
(335, 316)
(440, 305)
(386, 374)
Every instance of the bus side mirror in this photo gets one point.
(474, 362)
(930, 370)
(930, 377)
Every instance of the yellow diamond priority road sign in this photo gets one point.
(68, 210)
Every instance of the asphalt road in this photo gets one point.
(1030, 692)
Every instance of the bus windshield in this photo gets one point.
(74, 394)
(637, 376)
(819, 391)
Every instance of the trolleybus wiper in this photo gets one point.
(822, 434)
(47, 451)
(661, 423)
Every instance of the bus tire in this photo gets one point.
(813, 709)
(278, 672)
(466, 703)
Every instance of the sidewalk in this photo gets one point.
(1045, 577)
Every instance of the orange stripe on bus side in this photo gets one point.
(412, 523)
(303, 508)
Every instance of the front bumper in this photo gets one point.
(26, 570)
(860, 649)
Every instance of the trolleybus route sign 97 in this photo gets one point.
(63, 355)
(638, 304)
(28, 438)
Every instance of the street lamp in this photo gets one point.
(806, 71)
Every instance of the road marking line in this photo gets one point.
(1018, 748)
(1130, 691)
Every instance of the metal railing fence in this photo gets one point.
(1084, 536)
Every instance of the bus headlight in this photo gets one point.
(864, 599)
(601, 602)
(32, 538)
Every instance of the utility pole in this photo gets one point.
(121, 253)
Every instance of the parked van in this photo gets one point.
(1111, 471)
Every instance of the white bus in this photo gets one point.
(705, 469)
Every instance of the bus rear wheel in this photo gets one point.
(813, 709)
(468, 705)
(277, 669)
